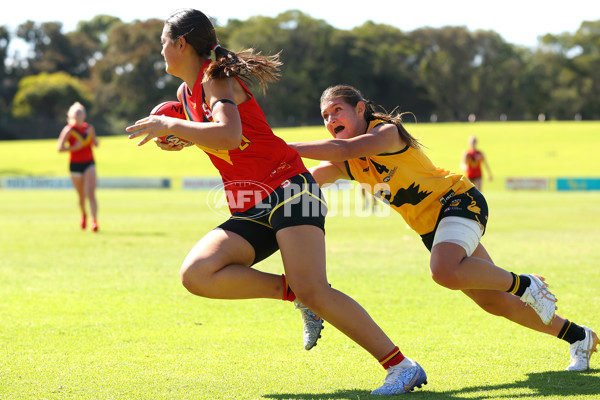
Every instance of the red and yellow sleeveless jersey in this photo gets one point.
(409, 182)
(262, 161)
(473, 161)
(82, 134)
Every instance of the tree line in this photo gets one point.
(439, 74)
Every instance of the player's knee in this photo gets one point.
(306, 295)
(311, 296)
(193, 278)
(445, 275)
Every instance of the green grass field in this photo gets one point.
(104, 316)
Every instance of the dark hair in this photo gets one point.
(352, 96)
(199, 32)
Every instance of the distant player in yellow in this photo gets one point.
(446, 209)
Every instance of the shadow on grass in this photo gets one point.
(537, 386)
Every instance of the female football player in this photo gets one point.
(472, 161)
(274, 201)
(78, 137)
(448, 212)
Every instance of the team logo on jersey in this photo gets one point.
(455, 203)
(283, 166)
(410, 195)
(473, 206)
(444, 199)
(389, 176)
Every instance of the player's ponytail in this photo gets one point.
(246, 65)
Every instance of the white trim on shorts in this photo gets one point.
(464, 232)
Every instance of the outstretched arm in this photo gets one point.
(384, 139)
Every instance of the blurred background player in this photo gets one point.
(471, 162)
(78, 137)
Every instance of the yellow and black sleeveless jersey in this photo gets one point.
(409, 182)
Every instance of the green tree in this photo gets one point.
(587, 64)
(495, 76)
(467, 73)
(97, 29)
(73, 53)
(5, 94)
(384, 68)
(44, 99)
(447, 57)
(51, 50)
(566, 74)
(48, 95)
(89, 41)
(451, 71)
(374, 58)
(559, 79)
(303, 43)
(4, 43)
(130, 79)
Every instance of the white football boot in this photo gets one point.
(538, 297)
(313, 324)
(402, 378)
(581, 351)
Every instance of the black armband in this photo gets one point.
(222, 101)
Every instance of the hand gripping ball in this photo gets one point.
(172, 109)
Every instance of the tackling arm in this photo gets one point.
(384, 139)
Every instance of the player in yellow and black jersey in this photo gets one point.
(374, 149)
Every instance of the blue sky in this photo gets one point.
(517, 21)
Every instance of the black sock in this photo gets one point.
(571, 332)
(520, 283)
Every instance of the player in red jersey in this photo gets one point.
(78, 137)
(471, 162)
(275, 202)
